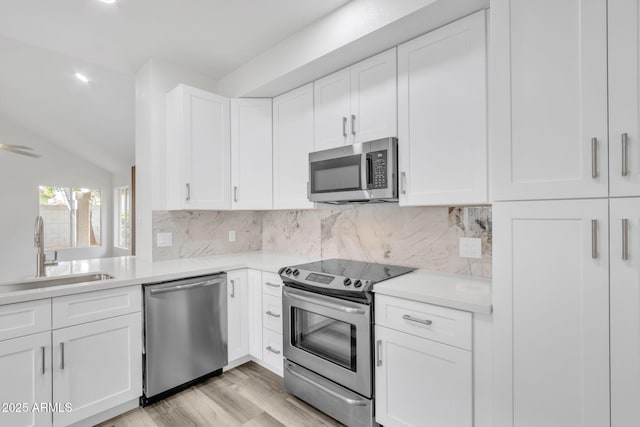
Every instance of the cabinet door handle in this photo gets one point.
(235, 194)
(353, 124)
(344, 127)
(594, 157)
(594, 238)
(188, 191)
(273, 350)
(42, 350)
(379, 353)
(625, 239)
(233, 288)
(272, 314)
(273, 285)
(625, 153)
(61, 355)
(415, 319)
(403, 183)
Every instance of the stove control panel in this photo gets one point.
(326, 281)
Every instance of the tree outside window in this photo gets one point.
(72, 217)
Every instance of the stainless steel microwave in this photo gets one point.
(364, 172)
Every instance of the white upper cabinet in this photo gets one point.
(548, 126)
(332, 108)
(625, 311)
(356, 104)
(624, 97)
(251, 153)
(374, 98)
(551, 314)
(198, 150)
(442, 113)
(292, 143)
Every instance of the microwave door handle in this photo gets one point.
(369, 171)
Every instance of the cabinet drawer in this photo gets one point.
(445, 325)
(90, 306)
(272, 284)
(272, 313)
(25, 318)
(272, 354)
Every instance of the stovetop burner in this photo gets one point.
(340, 277)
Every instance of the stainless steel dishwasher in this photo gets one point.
(185, 327)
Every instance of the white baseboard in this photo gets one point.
(108, 414)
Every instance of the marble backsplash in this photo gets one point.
(424, 237)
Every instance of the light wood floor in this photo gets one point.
(248, 395)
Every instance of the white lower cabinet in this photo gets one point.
(422, 381)
(551, 314)
(255, 318)
(25, 380)
(272, 322)
(254, 288)
(82, 372)
(272, 355)
(97, 366)
(237, 319)
(625, 312)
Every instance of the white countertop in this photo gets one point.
(131, 270)
(447, 290)
(440, 289)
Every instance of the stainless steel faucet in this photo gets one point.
(38, 242)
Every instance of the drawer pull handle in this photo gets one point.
(273, 350)
(272, 314)
(415, 319)
(273, 285)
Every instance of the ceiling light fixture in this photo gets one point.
(108, 1)
(82, 78)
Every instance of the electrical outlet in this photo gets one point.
(232, 235)
(470, 247)
(164, 240)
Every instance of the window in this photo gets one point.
(123, 218)
(72, 217)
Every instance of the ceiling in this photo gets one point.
(43, 43)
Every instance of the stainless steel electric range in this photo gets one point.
(328, 335)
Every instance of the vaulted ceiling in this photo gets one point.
(43, 43)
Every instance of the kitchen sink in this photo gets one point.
(58, 281)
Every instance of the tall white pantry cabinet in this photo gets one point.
(564, 147)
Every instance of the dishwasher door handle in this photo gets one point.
(187, 287)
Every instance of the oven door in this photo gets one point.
(339, 174)
(329, 336)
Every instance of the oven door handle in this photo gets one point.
(352, 402)
(350, 310)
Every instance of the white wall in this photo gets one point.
(20, 177)
(153, 81)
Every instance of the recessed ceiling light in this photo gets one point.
(108, 1)
(82, 78)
